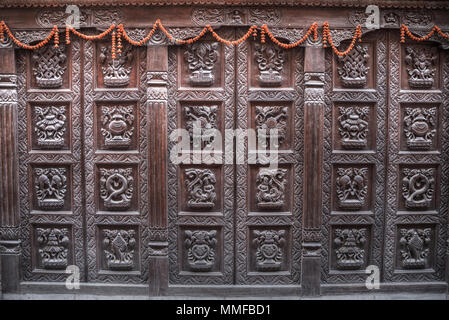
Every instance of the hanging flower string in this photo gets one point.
(327, 39)
(313, 28)
(406, 31)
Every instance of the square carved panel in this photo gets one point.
(418, 187)
(201, 64)
(415, 247)
(266, 116)
(117, 126)
(269, 249)
(419, 127)
(353, 186)
(117, 187)
(201, 189)
(270, 189)
(201, 249)
(118, 248)
(50, 125)
(52, 246)
(51, 186)
(350, 247)
(116, 73)
(354, 126)
(420, 67)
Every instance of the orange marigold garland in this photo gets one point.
(313, 28)
(96, 37)
(405, 30)
(2, 32)
(56, 38)
(67, 34)
(327, 39)
(113, 45)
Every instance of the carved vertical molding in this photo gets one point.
(157, 64)
(9, 215)
(313, 166)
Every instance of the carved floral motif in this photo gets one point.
(352, 187)
(414, 247)
(117, 125)
(51, 187)
(49, 66)
(353, 127)
(271, 188)
(269, 253)
(418, 187)
(116, 72)
(419, 127)
(50, 126)
(270, 61)
(200, 184)
(119, 246)
(116, 187)
(53, 247)
(201, 119)
(350, 253)
(200, 245)
(420, 62)
(201, 57)
(271, 118)
(353, 67)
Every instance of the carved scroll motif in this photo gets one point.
(53, 247)
(418, 187)
(352, 187)
(271, 118)
(200, 245)
(203, 121)
(415, 247)
(270, 246)
(353, 127)
(270, 61)
(116, 188)
(49, 65)
(353, 67)
(419, 127)
(350, 253)
(50, 126)
(51, 187)
(119, 246)
(201, 57)
(200, 184)
(118, 126)
(271, 188)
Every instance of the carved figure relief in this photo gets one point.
(200, 245)
(350, 243)
(50, 126)
(201, 57)
(420, 62)
(414, 247)
(49, 65)
(201, 119)
(270, 61)
(353, 67)
(271, 188)
(51, 187)
(353, 127)
(419, 127)
(119, 246)
(116, 72)
(116, 188)
(53, 247)
(269, 118)
(200, 185)
(418, 187)
(352, 187)
(270, 249)
(117, 125)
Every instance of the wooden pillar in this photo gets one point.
(157, 63)
(313, 166)
(9, 211)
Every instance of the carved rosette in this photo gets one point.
(420, 62)
(200, 185)
(116, 188)
(271, 188)
(353, 67)
(119, 246)
(349, 248)
(270, 61)
(418, 187)
(414, 247)
(201, 57)
(51, 187)
(53, 247)
(270, 246)
(353, 127)
(117, 125)
(351, 187)
(116, 72)
(200, 245)
(50, 126)
(419, 127)
(201, 120)
(49, 65)
(271, 118)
